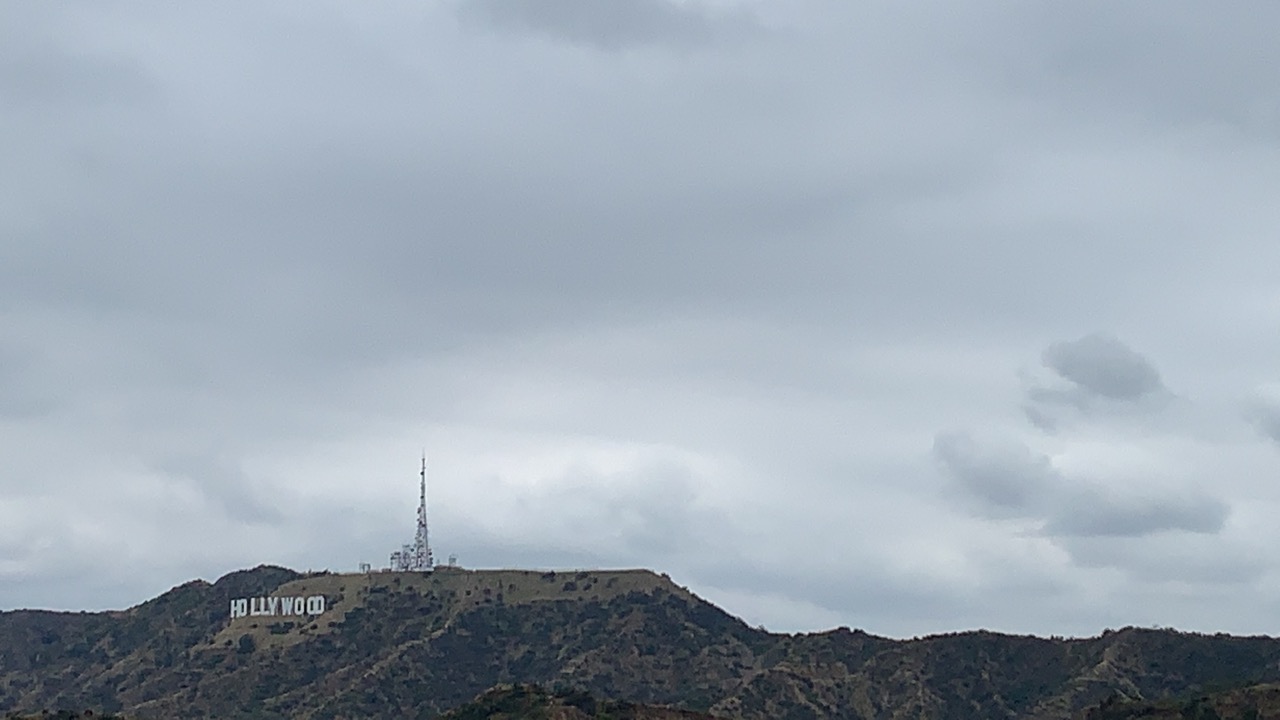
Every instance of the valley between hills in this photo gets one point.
(467, 644)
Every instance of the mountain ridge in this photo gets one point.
(418, 644)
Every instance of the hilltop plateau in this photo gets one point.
(415, 645)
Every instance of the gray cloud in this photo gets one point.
(608, 26)
(1263, 411)
(1096, 376)
(1191, 560)
(1012, 481)
(1008, 478)
(1094, 515)
(20, 396)
(223, 485)
(38, 73)
(1162, 83)
(39, 80)
(1041, 416)
(1101, 365)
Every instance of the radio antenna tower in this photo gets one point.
(422, 544)
(417, 557)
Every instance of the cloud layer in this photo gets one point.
(890, 317)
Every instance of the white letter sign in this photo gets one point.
(274, 606)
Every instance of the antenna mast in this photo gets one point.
(417, 557)
(422, 544)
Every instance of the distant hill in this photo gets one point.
(1256, 702)
(414, 645)
(529, 702)
(65, 715)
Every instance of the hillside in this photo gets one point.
(528, 702)
(1256, 702)
(412, 645)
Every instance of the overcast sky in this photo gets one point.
(911, 317)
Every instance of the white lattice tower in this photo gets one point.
(422, 541)
(417, 557)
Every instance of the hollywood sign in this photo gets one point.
(277, 606)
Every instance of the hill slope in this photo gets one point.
(528, 702)
(393, 645)
(1255, 702)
